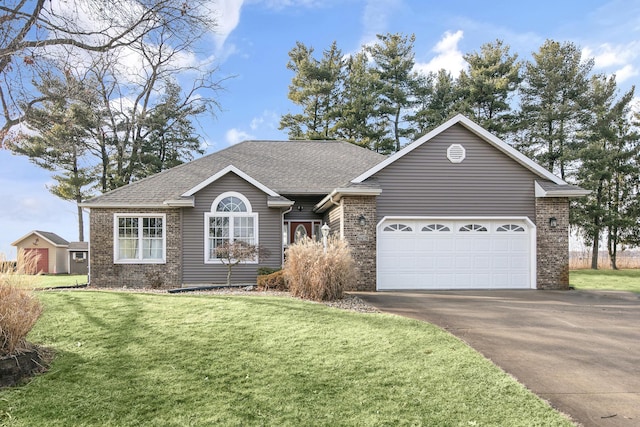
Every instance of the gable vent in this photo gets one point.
(456, 153)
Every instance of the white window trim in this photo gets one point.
(212, 214)
(139, 260)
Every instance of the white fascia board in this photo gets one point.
(124, 205)
(541, 192)
(337, 194)
(280, 203)
(478, 130)
(180, 203)
(225, 171)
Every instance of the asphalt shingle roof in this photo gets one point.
(286, 167)
(53, 238)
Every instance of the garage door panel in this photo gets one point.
(430, 258)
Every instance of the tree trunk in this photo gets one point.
(594, 251)
(80, 221)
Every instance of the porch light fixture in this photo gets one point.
(553, 222)
(362, 220)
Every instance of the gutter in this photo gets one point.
(334, 197)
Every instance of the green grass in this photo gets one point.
(611, 280)
(47, 281)
(126, 359)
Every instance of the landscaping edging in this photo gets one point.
(17, 368)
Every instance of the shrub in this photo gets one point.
(273, 281)
(263, 271)
(19, 311)
(316, 275)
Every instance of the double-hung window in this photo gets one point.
(140, 238)
(230, 220)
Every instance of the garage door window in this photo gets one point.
(397, 227)
(438, 228)
(473, 228)
(511, 228)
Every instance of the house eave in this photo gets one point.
(180, 203)
(126, 206)
(572, 192)
(338, 193)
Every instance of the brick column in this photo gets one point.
(552, 243)
(361, 238)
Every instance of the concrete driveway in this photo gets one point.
(578, 350)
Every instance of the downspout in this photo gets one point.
(282, 243)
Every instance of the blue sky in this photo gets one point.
(254, 37)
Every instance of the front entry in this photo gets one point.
(297, 230)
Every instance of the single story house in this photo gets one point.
(49, 250)
(456, 209)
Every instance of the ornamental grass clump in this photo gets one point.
(19, 309)
(317, 275)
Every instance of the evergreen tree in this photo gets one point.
(171, 139)
(608, 147)
(358, 103)
(553, 104)
(57, 140)
(316, 88)
(486, 88)
(393, 59)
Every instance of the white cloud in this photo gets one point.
(227, 16)
(625, 73)
(233, 136)
(268, 120)
(608, 55)
(448, 56)
(375, 18)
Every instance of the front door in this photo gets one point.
(299, 230)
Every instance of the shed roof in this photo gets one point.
(52, 238)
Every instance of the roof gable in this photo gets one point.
(50, 237)
(222, 173)
(477, 130)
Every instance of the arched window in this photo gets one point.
(397, 227)
(230, 220)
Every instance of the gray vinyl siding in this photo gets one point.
(307, 203)
(195, 271)
(425, 183)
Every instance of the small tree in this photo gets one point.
(236, 252)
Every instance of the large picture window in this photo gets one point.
(139, 238)
(230, 220)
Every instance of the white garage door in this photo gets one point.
(454, 254)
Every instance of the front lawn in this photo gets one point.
(127, 359)
(611, 280)
(45, 280)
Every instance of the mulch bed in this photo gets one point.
(18, 368)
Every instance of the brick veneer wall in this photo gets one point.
(362, 239)
(103, 271)
(552, 243)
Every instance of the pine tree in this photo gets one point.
(607, 168)
(315, 87)
(393, 59)
(486, 88)
(553, 101)
(58, 139)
